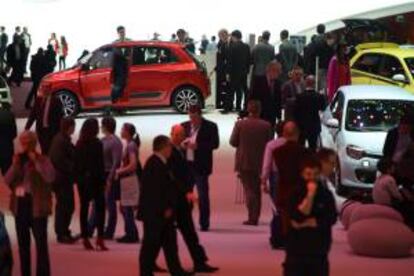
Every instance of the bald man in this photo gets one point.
(307, 110)
(185, 184)
(288, 159)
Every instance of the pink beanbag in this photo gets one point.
(346, 211)
(379, 237)
(367, 211)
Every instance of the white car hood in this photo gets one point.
(371, 142)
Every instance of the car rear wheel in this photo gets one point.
(70, 103)
(185, 97)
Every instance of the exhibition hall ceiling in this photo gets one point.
(88, 24)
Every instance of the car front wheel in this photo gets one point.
(70, 103)
(185, 97)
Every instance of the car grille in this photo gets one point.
(366, 176)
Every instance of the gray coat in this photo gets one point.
(250, 137)
(262, 54)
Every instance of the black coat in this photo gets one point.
(38, 67)
(12, 59)
(8, 132)
(89, 166)
(181, 172)
(222, 57)
(239, 60)
(306, 111)
(270, 100)
(158, 192)
(390, 143)
(62, 156)
(55, 116)
(312, 241)
(207, 141)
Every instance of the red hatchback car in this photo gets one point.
(161, 74)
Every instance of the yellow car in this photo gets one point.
(384, 64)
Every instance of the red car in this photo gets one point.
(161, 74)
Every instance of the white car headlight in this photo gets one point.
(355, 152)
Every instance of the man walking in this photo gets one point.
(222, 87)
(288, 55)
(38, 71)
(307, 108)
(62, 156)
(238, 68)
(4, 40)
(27, 42)
(158, 201)
(202, 138)
(262, 54)
(249, 137)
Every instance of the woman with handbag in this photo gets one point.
(90, 174)
(29, 179)
(129, 174)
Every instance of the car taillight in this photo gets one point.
(355, 152)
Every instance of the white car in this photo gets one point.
(355, 124)
(5, 96)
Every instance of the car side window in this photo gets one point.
(369, 63)
(337, 106)
(390, 67)
(152, 55)
(101, 58)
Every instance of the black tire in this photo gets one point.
(184, 97)
(340, 189)
(70, 103)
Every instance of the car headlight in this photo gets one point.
(355, 152)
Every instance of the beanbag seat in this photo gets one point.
(346, 211)
(367, 211)
(381, 238)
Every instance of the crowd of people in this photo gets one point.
(284, 97)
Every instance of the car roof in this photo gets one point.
(402, 52)
(375, 92)
(156, 43)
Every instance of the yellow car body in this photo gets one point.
(384, 64)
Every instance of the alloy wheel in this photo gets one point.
(185, 98)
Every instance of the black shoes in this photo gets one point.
(250, 223)
(129, 240)
(205, 268)
(67, 240)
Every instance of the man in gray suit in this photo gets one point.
(288, 55)
(250, 136)
(262, 54)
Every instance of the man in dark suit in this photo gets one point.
(4, 40)
(15, 60)
(221, 65)
(157, 207)
(47, 114)
(238, 68)
(62, 156)
(202, 139)
(399, 139)
(290, 90)
(267, 90)
(287, 159)
(8, 132)
(38, 71)
(307, 108)
(185, 184)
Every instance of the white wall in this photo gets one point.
(88, 24)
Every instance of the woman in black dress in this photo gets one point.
(90, 173)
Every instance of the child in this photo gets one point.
(385, 190)
(312, 214)
(6, 258)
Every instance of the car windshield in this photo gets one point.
(375, 115)
(410, 65)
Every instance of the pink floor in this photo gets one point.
(236, 249)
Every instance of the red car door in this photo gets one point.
(149, 81)
(95, 79)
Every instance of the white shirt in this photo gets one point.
(268, 162)
(192, 140)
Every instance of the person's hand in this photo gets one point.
(265, 187)
(16, 159)
(32, 156)
(190, 197)
(192, 146)
(311, 187)
(168, 213)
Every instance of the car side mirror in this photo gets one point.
(85, 67)
(400, 78)
(332, 123)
